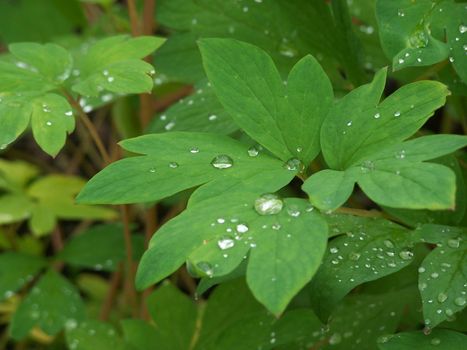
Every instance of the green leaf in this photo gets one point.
(359, 126)
(14, 119)
(54, 196)
(92, 335)
(115, 64)
(108, 248)
(442, 274)
(283, 254)
(365, 138)
(16, 174)
(423, 33)
(51, 121)
(409, 185)
(14, 208)
(438, 339)
(139, 334)
(16, 270)
(361, 319)
(329, 189)
(177, 161)
(50, 61)
(415, 218)
(370, 250)
(50, 304)
(292, 116)
(200, 111)
(175, 316)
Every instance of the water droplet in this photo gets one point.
(367, 166)
(377, 116)
(287, 50)
(401, 60)
(169, 126)
(335, 339)
(406, 254)
(212, 117)
(333, 250)
(45, 108)
(435, 341)
(268, 204)
(400, 13)
(400, 154)
(388, 243)
(276, 226)
(173, 165)
(48, 123)
(69, 114)
(349, 123)
(397, 114)
(454, 243)
(222, 161)
(253, 151)
(459, 301)
(434, 275)
(206, 268)
(220, 220)
(152, 170)
(419, 38)
(194, 150)
(294, 164)
(354, 256)
(421, 269)
(462, 28)
(110, 79)
(242, 228)
(442, 297)
(451, 59)
(293, 211)
(225, 243)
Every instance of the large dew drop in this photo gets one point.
(222, 161)
(419, 38)
(268, 204)
(225, 243)
(294, 164)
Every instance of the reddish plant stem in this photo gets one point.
(149, 24)
(57, 245)
(134, 21)
(111, 293)
(130, 275)
(163, 103)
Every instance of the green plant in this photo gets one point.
(300, 195)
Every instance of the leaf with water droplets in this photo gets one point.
(370, 250)
(92, 335)
(50, 125)
(417, 36)
(16, 270)
(200, 111)
(218, 242)
(444, 339)
(150, 177)
(390, 174)
(442, 281)
(115, 64)
(360, 319)
(49, 305)
(291, 114)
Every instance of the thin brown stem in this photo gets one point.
(360, 212)
(149, 24)
(90, 127)
(111, 293)
(57, 245)
(130, 275)
(134, 21)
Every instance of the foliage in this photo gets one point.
(285, 175)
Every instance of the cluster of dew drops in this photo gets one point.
(443, 298)
(419, 39)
